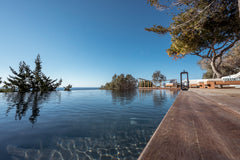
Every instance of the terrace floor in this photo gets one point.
(202, 124)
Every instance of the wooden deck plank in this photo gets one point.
(197, 128)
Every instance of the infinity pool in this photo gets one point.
(82, 124)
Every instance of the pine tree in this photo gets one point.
(28, 80)
(20, 80)
(37, 74)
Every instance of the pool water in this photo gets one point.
(81, 124)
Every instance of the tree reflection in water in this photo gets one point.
(174, 93)
(123, 97)
(159, 97)
(144, 93)
(24, 101)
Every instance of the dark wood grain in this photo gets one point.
(199, 126)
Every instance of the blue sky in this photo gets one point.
(86, 42)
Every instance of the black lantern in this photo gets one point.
(185, 84)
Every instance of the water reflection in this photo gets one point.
(85, 125)
(143, 93)
(127, 97)
(173, 93)
(25, 101)
(159, 96)
(123, 97)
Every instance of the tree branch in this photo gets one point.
(208, 55)
(239, 7)
(227, 48)
(222, 45)
(220, 62)
(183, 24)
(198, 54)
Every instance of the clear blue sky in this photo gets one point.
(86, 42)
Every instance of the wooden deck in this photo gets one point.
(201, 125)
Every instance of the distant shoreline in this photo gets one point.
(79, 88)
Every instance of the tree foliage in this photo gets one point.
(206, 28)
(157, 78)
(121, 82)
(145, 84)
(164, 4)
(68, 87)
(21, 79)
(37, 74)
(26, 80)
(230, 64)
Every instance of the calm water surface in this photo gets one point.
(81, 124)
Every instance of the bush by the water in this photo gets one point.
(121, 82)
(68, 87)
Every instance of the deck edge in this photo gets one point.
(159, 127)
